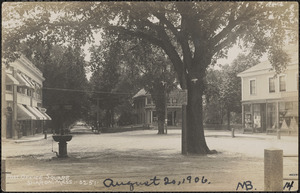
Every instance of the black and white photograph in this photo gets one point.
(149, 96)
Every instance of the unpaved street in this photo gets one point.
(143, 161)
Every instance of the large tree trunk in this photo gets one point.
(112, 117)
(159, 99)
(228, 119)
(160, 126)
(108, 118)
(221, 115)
(160, 109)
(196, 143)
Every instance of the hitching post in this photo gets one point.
(183, 132)
(273, 169)
(278, 133)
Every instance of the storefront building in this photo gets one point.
(145, 109)
(270, 101)
(25, 114)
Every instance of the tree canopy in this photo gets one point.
(157, 77)
(193, 35)
(65, 82)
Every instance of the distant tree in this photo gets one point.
(69, 74)
(148, 67)
(158, 79)
(65, 82)
(223, 89)
(106, 74)
(128, 85)
(213, 105)
(230, 91)
(139, 65)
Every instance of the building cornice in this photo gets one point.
(32, 67)
(266, 71)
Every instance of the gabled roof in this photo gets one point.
(142, 92)
(266, 65)
(291, 50)
(174, 92)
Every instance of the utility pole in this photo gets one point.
(166, 109)
(97, 123)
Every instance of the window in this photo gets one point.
(174, 101)
(142, 103)
(247, 115)
(271, 85)
(149, 101)
(9, 87)
(271, 115)
(154, 115)
(28, 92)
(257, 116)
(247, 108)
(252, 87)
(282, 85)
(38, 93)
(19, 89)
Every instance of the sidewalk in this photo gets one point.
(208, 133)
(36, 137)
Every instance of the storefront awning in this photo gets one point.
(292, 114)
(35, 113)
(44, 117)
(11, 80)
(44, 113)
(22, 81)
(48, 117)
(24, 114)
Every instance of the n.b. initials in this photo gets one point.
(246, 184)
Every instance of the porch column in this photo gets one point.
(277, 114)
(243, 116)
(266, 119)
(277, 120)
(173, 121)
(252, 116)
(151, 116)
(14, 114)
(147, 116)
(31, 97)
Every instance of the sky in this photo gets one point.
(97, 40)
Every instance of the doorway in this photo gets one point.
(9, 123)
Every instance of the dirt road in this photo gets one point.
(143, 161)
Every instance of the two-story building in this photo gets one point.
(25, 114)
(145, 108)
(270, 101)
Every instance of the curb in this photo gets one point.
(32, 140)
